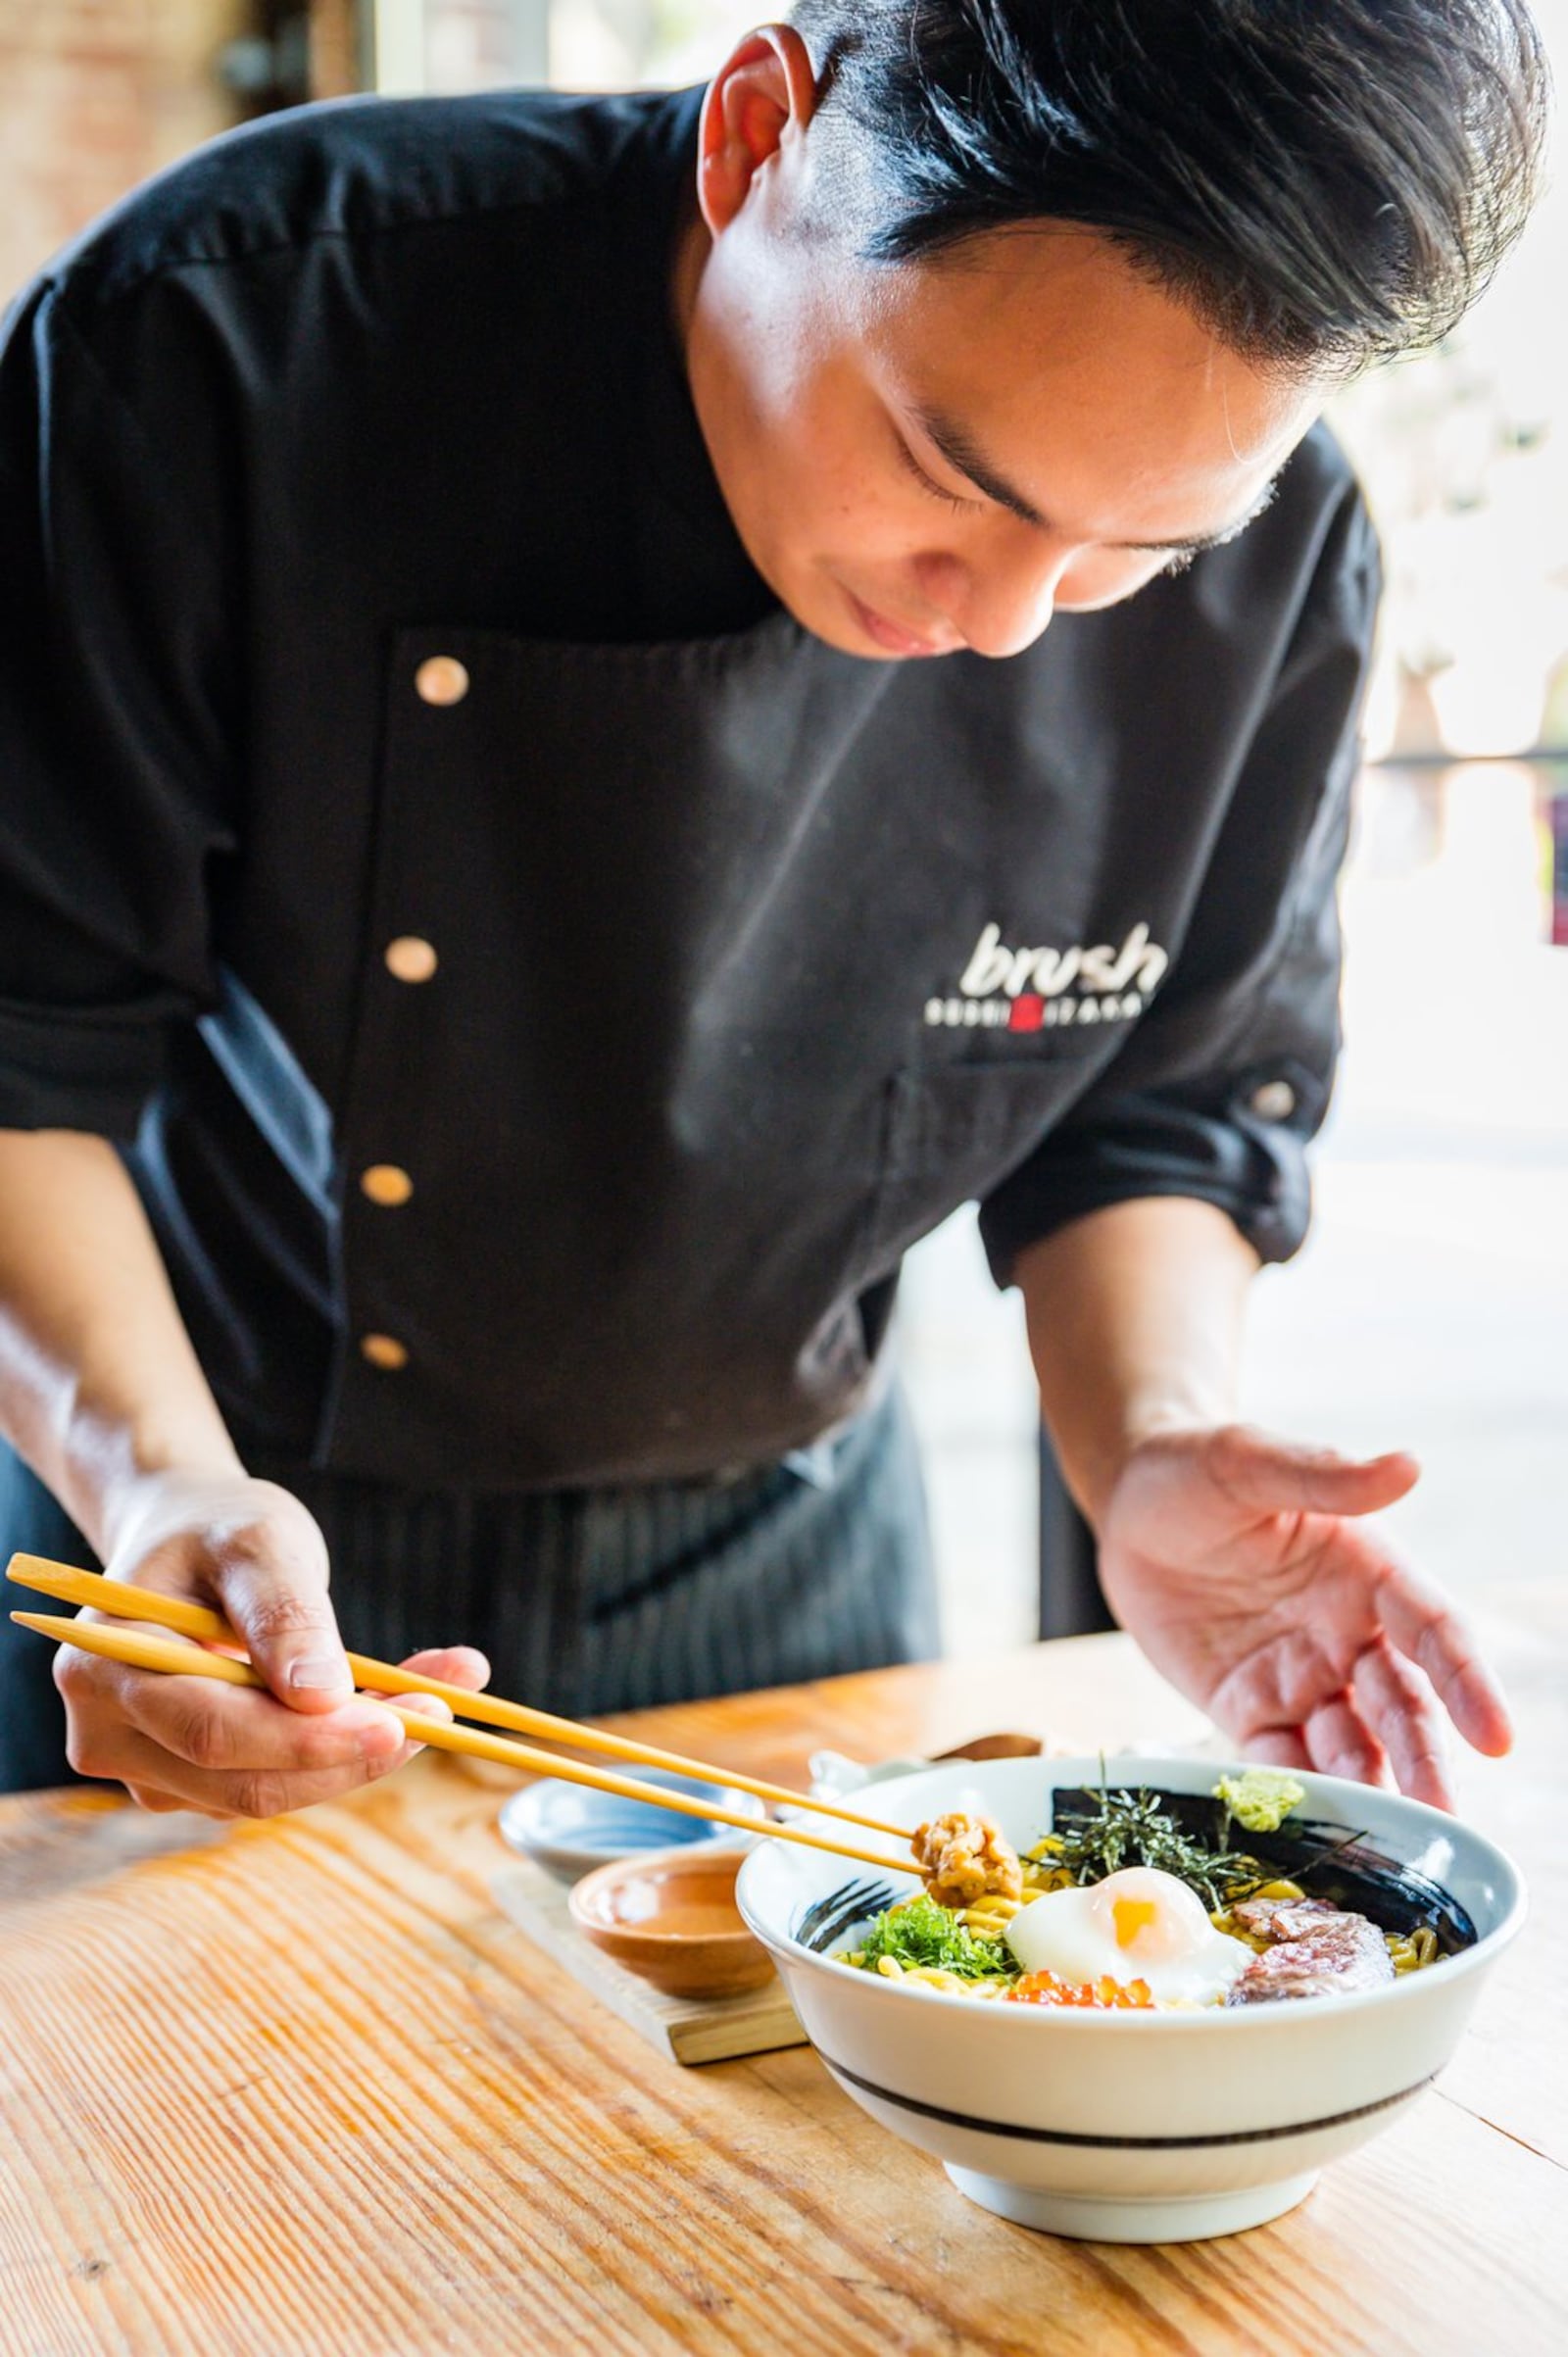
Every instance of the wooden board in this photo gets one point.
(689, 2029)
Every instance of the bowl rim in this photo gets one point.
(679, 1854)
(1295, 2019)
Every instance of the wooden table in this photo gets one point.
(298, 2088)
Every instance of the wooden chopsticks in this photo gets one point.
(140, 1651)
(143, 1653)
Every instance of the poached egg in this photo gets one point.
(1138, 1925)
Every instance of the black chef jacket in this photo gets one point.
(541, 990)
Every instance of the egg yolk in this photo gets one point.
(1131, 1916)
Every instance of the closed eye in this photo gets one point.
(948, 499)
(1183, 557)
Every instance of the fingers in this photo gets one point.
(1333, 1741)
(1340, 1743)
(1426, 1628)
(1278, 1748)
(449, 1665)
(236, 1729)
(453, 1665)
(164, 1804)
(1387, 1652)
(272, 1585)
(158, 1777)
(230, 1749)
(1366, 1606)
(424, 1707)
(1279, 1477)
(255, 1551)
(1396, 1700)
(1384, 1730)
(191, 1742)
(1378, 1603)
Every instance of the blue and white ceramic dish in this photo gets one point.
(571, 1829)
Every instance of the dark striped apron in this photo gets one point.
(585, 1600)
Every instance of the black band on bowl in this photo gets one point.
(1058, 2136)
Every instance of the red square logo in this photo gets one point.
(1028, 1012)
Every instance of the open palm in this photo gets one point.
(1238, 1563)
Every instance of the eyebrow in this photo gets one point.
(961, 453)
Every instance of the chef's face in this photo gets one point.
(930, 456)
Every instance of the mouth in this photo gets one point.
(892, 637)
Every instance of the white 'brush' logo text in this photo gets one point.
(1045, 989)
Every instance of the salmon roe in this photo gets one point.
(1044, 1988)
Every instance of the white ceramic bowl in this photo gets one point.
(1119, 2126)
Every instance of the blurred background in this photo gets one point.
(1429, 1309)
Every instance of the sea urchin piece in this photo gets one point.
(965, 1858)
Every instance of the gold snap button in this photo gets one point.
(410, 958)
(1274, 1100)
(384, 1183)
(441, 679)
(383, 1350)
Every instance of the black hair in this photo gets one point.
(1326, 183)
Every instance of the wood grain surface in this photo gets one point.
(300, 2089)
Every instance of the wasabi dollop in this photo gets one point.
(1260, 1798)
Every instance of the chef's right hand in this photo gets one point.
(251, 1550)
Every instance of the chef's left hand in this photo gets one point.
(1239, 1564)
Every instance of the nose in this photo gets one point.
(1000, 604)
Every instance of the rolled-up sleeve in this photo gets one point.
(1227, 1075)
(117, 718)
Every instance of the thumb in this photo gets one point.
(1274, 1477)
(273, 1591)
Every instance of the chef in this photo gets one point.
(547, 840)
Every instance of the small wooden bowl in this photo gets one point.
(995, 1747)
(670, 1916)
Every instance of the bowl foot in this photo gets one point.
(1158, 2218)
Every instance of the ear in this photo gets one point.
(763, 95)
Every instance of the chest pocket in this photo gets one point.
(953, 1133)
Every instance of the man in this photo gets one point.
(547, 841)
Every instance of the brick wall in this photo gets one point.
(94, 96)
